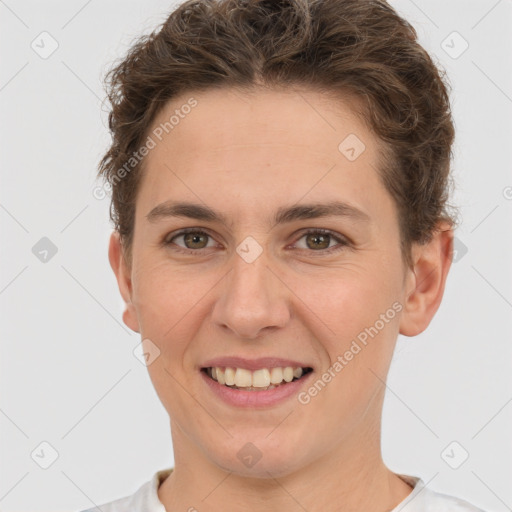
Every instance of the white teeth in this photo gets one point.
(229, 375)
(221, 379)
(243, 378)
(276, 375)
(263, 378)
(288, 374)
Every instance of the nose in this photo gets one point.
(252, 300)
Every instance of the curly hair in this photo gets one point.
(358, 47)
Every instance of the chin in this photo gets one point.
(260, 458)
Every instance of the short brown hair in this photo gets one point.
(358, 47)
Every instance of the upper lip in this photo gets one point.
(253, 364)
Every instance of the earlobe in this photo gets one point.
(123, 275)
(426, 281)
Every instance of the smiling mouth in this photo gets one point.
(257, 380)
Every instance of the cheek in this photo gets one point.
(360, 308)
(168, 304)
(163, 296)
(355, 299)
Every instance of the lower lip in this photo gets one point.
(241, 398)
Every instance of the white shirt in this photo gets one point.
(421, 499)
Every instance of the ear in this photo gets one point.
(122, 272)
(426, 280)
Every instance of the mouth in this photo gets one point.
(261, 379)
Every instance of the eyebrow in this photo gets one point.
(283, 215)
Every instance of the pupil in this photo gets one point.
(323, 241)
(193, 238)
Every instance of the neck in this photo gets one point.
(350, 478)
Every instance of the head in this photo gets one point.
(259, 115)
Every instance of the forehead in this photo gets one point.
(262, 144)
(228, 116)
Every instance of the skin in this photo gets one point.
(245, 155)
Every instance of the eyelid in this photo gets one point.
(175, 234)
(343, 241)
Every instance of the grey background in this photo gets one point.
(68, 374)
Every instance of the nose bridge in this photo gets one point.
(251, 297)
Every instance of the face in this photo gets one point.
(270, 274)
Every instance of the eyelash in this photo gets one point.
(342, 242)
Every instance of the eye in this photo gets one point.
(319, 240)
(193, 239)
(316, 240)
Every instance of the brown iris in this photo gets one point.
(320, 241)
(195, 238)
